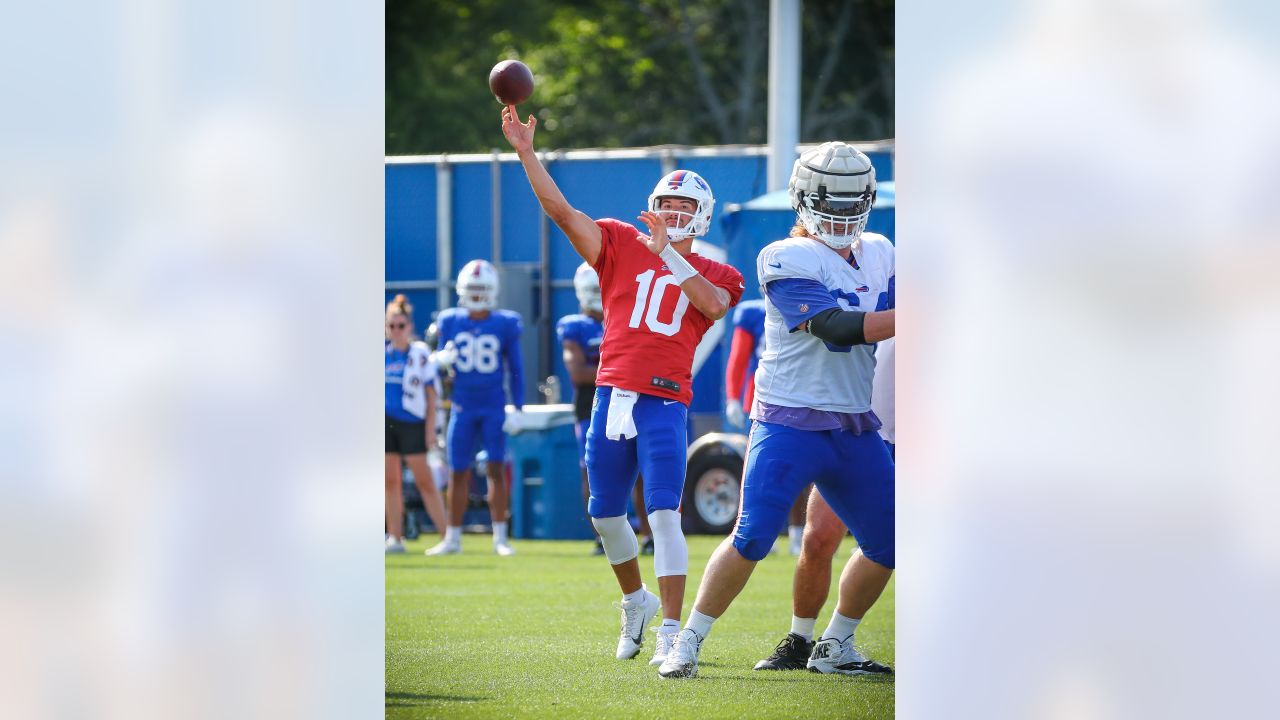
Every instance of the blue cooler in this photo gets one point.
(546, 486)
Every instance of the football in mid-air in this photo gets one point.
(511, 82)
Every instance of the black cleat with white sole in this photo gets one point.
(791, 654)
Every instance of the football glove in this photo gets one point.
(446, 356)
(512, 425)
(734, 413)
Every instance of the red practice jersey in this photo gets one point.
(650, 327)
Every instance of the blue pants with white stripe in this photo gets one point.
(854, 473)
(658, 450)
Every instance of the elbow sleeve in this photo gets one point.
(839, 327)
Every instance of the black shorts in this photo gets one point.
(406, 438)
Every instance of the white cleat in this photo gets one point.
(635, 618)
(394, 546)
(503, 549)
(682, 660)
(795, 546)
(665, 639)
(832, 656)
(444, 547)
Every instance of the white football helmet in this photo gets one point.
(833, 188)
(685, 184)
(586, 284)
(478, 286)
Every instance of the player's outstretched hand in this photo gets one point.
(657, 240)
(520, 135)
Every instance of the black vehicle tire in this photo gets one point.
(713, 483)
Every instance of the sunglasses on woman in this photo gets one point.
(397, 326)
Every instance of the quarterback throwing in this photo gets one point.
(659, 299)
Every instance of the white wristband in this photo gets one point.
(679, 267)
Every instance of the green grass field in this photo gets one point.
(479, 636)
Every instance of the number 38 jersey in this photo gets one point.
(485, 347)
(650, 328)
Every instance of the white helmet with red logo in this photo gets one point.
(478, 286)
(689, 185)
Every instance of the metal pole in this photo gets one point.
(544, 290)
(784, 90)
(495, 184)
(668, 161)
(444, 232)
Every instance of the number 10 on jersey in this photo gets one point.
(654, 301)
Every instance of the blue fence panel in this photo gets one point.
(521, 216)
(472, 214)
(410, 222)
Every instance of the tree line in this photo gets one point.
(624, 73)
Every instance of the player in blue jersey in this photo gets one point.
(480, 342)
(580, 335)
(829, 292)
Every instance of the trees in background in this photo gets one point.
(619, 73)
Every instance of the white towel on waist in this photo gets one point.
(619, 423)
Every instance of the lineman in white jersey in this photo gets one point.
(829, 292)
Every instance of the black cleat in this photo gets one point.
(791, 654)
(646, 547)
(598, 549)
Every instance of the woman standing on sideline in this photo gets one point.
(411, 421)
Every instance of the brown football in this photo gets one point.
(511, 82)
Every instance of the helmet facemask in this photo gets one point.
(591, 300)
(837, 220)
(832, 189)
(478, 297)
(688, 224)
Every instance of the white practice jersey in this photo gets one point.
(882, 395)
(798, 369)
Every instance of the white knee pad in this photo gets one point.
(670, 552)
(618, 538)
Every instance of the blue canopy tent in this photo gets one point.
(749, 226)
